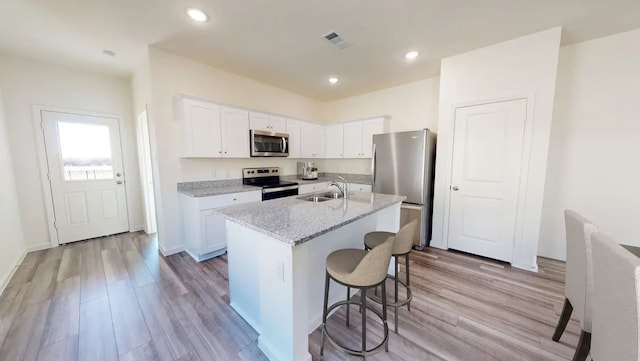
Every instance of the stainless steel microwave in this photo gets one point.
(269, 144)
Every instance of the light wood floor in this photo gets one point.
(115, 298)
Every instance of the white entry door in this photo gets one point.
(84, 158)
(485, 179)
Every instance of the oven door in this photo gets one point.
(268, 144)
(279, 192)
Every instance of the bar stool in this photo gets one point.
(402, 247)
(357, 268)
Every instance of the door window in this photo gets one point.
(85, 150)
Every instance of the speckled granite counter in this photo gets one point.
(329, 177)
(214, 188)
(295, 221)
(228, 186)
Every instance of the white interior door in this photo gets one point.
(487, 162)
(85, 171)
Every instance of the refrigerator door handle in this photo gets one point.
(373, 168)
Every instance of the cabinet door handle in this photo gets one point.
(220, 152)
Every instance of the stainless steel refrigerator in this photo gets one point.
(403, 164)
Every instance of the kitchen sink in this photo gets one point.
(321, 197)
(316, 199)
(332, 195)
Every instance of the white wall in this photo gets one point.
(12, 247)
(594, 153)
(411, 106)
(170, 75)
(26, 83)
(521, 67)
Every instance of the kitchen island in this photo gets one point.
(276, 255)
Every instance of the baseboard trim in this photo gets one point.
(169, 252)
(136, 228)
(38, 247)
(7, 278)
(531, 268)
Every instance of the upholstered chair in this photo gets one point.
(615, 306)
(578, 280)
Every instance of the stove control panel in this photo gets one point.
(260, 172)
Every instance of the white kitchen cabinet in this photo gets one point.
(295, 137)
(205, 231)
(355, 187)
(235, 132)
(353, 139)
(334, 141)
(371, 127)
(312, 140)
(200, 128)
(312, 187)
(212, 131)
(267, 122)
(358, 136)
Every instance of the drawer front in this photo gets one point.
(361, 187)
(225, 200)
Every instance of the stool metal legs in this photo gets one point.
(364, 351)
(324, 312)
(397, 303)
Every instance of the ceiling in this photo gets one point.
(280, 42)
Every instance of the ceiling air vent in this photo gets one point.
(336, 40)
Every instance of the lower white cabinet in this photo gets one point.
(323, 186)
(313, 187)
(205, 234)
(360, 187)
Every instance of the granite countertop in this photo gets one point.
(295, 221)
(228, 186)
(330, 177)
(214, 188)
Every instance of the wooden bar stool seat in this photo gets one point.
(403, 242)
(357, 268)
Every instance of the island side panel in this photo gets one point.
(244, 281)
(267, 293)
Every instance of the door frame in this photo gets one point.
(524, 171)
(144, 156)
(43, 165)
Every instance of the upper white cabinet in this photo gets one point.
(267, 122)
(334, 141)
(312, 139)
(295, 137)
(212, 131)
(200, 126)
(358, 136)
(235, 132)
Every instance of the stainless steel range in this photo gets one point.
(269, 180)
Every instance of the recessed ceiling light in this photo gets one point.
(108, 52)
(197, 15)
(411, 55)
(333, 80)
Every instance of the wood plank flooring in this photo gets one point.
(116, 298)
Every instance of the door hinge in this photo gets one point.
(55, 224)
(49, 176)
(42, 124)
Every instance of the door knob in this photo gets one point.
(119, 182)
(455, 188)
(118, 175)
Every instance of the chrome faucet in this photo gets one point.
(345, 186)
